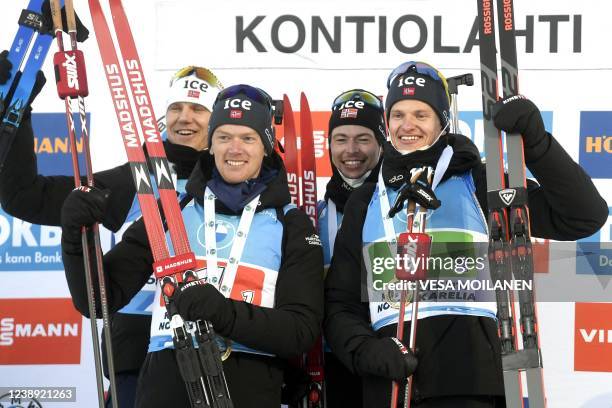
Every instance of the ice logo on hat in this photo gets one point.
(411, 80)
(350, 109)
(352, 104)
(237, 103)
(194, 84)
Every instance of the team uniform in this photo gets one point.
(270, 310)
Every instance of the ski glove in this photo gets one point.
(517, 114)
(5, 67)
(83, 207)
(5, 72)
(386, 357)
(82, 33)
(198, 300)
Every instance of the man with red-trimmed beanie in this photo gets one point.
(458, 350)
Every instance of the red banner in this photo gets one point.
(593, 337)
(39, 331)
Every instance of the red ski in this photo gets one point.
(200, 368)
(314, 359)
(291, 152)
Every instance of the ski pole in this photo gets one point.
(414, 244)
(70, 84)
(453, 84)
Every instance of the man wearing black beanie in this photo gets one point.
(356, 134)
(458, 350)
(260, 264)
(417, 107)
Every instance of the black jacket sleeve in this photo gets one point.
(293, 325)
(566, 205)
(347, 317)
(38, 199)
(127, 267)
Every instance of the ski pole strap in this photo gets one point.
(225, 283)
(507, 197)
(402, 348)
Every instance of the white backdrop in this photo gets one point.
(564, 63)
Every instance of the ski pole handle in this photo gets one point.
(56, 15)
(456, 81)
(69, 7)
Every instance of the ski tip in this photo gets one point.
(303, 98)
(286, 104)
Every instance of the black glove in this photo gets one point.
(198, 300)
(419, 192)
(83, 207)
(386, 357)
(82, 33)
(5, 67)
(5, 70)
(518, 114)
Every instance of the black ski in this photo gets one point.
(529, 358)
(510, 252)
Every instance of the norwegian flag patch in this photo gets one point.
(348, 113)
(236, 114)
(193, 94)
(408, 91)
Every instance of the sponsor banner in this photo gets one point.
(593, 337)
(315, 34)
(594, 254)
(52, 144)
(39, 331)
(596, 143)
(24, 246)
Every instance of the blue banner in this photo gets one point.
(596, 143)
(594, 254)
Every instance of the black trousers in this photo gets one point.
(126, 390)
(254, 381)
(342, 388)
